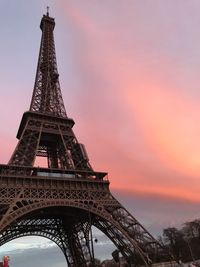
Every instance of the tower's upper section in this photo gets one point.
(47, 98)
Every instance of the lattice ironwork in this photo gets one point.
(47, 96)
(62, 202)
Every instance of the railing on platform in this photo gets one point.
(51, 173)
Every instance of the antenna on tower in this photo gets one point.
(47, 10)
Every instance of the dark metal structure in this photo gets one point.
(63, 200)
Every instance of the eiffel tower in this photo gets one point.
(65, 199)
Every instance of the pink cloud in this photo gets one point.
(138, 124)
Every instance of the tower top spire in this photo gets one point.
(47, 97)
(47, 11)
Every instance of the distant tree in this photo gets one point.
(183, 244)
(191, 231)
(173, 238)
(97, 263)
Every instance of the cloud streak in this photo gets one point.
(133, 99)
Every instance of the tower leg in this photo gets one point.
(74, 235)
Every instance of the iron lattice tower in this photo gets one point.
(63, 200)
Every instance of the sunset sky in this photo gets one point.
(130, 78)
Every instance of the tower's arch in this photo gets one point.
(51, 219)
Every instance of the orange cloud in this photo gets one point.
(147, 128)
(169, 123)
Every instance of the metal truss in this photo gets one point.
(70, 238)
(32, 194)
(62, 202)
(47, 96)
(50, 137)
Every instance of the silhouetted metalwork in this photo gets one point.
(63, 200)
